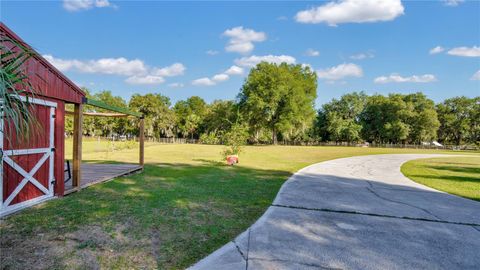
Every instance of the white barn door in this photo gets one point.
(21, 185)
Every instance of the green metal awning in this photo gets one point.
(105, 106)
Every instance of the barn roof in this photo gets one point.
(47, 80)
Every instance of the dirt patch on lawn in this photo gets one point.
(91, 247)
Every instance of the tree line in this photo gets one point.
(398, 118)
(277, 102)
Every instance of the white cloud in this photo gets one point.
(115, 66)
(78, 5)
(241, 39)
(148, 80)
(436, 50)
(336, 82)
(102, 3)
(176, 85)
(341, 71)
(476, 76)
(61, 64)
(361, 56)
(352, 11)
(465, 51)
(220, 77)
(136, 70)
(452, 3)
(312, 52)
(396, 78)
(203, 82)
(175, 69)
(212, 52)
(234, 70)
(253, 60)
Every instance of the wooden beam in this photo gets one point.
(142, 142)
(77, 145)
(100, 114)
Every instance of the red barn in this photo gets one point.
(33, 171)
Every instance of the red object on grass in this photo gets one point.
(232, 159)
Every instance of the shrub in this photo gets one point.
(209, 138)
(234, 140)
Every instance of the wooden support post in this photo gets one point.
(77, 144)
(142, 141)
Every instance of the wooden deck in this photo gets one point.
(98, 173)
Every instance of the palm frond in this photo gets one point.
(17, 115)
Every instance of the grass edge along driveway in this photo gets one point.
(455, 175)
(185, 205)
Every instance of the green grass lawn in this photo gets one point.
(456, 175)
(185, 204)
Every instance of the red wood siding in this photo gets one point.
(45, 78)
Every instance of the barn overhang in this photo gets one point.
(78, 114)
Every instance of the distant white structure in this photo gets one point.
(433, 143)
(437, 144)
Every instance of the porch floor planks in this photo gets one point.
(98, 173)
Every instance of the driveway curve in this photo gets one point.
(357, 213)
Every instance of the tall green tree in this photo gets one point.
(422, 118)
(459, 120)
(190, 115)
(474, 137)
(108, 126)
(339, 120)
(279, 98)
(220, 116)
(159, 119)
(399, 118)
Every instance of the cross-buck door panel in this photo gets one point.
(27, 167)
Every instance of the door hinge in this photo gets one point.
(53, 149)
(54, 116)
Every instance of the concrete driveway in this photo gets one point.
(357, 213)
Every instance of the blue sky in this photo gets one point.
(182, 49)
